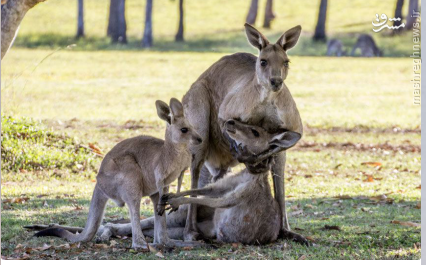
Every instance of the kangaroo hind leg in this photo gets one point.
(131, 192)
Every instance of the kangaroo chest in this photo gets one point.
(173, 172)
(264, 115)
(259, 110)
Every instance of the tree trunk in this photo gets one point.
(117, 22)
(398, 13)
(320, 28)
(269, 14)
(252, 14)
(80, 21)
(12, 14)
(147, 34)
(413, 5)
(179, 34)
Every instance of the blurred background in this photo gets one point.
(83, 75)
(208, 26)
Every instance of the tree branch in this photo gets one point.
(12, 14)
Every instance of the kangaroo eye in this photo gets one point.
(255, 133)
(285, 64)
(184, 130)
(263, 62)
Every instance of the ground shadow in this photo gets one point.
(346, 227)
(223, 42)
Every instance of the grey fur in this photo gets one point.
(137, 167)
(245, 211)
(238, 87)
(367, 45)
(237, 208)
(335, 47)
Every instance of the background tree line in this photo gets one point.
(117, 19)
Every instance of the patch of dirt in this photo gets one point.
(314, 146)
(309, 130)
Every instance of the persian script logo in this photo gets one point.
(383, 24)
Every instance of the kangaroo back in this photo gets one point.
(367, 45)
(335, 47)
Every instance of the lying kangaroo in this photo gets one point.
(245, 211)
(137, 167)
(238, 208)
(250, 89)
(367, 45)
(335, 47)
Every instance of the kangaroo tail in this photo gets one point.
(96, 212)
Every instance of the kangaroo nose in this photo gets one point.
(199, 140)
(276, 82)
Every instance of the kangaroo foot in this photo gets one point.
(289, 235)
(181, 244)
(190, 236)
(106, 234)
(142, 246)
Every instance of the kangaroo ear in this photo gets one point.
(285, 140)
(255, 37)
(163, 111)
(176, 107)
(289, 39)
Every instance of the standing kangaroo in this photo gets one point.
(137, 167)
(249, 89)
(367, 45)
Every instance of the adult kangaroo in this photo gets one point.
(252, 90)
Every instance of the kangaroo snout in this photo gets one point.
(196, 139)
(230, 126)
(276, 83)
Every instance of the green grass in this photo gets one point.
(101, 93)
(210, 26)
(26, 145)
(316, 181)
(312, 182)
(123, 85)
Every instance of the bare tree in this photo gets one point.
(12, 13)
(269, 14)
(398, 13)
(252, 14)
(117, 22)
(80, 20)
(322, 16)
(147, 34)
(179, 34)
(413, 5)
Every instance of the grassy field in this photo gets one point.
(210, 26)
(57, 102)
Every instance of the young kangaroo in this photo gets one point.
(245, 211)
(137, 167)
(335, 47)
(367, 46)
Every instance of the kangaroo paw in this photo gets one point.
(165, 198)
